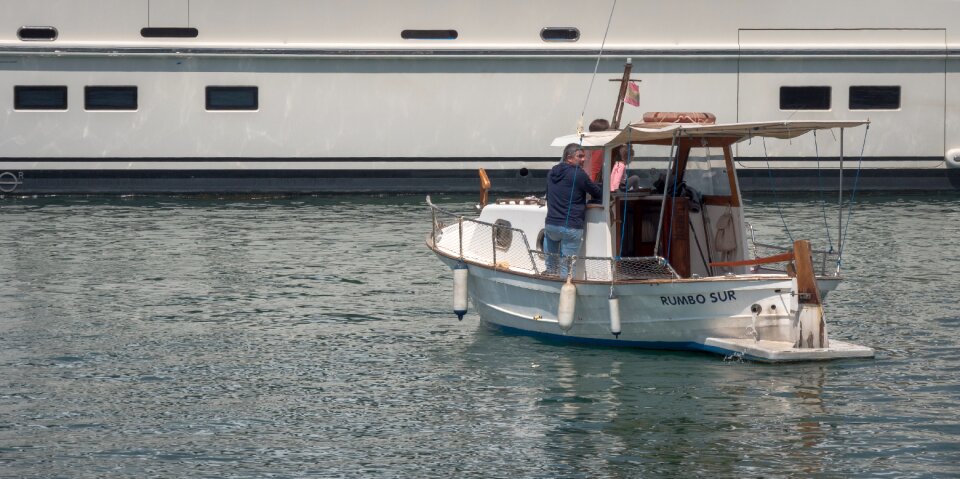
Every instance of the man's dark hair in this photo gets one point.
(571, 150)
(599, 125)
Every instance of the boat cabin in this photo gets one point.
(678, 200)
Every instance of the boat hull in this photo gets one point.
(712, 315)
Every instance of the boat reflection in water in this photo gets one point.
(663, 269)
(660, 414)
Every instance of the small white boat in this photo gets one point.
(672, 271)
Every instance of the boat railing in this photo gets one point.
(506, 248)
(823, 261)
(489, 244)
(589, 268)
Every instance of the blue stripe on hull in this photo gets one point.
(656, 345)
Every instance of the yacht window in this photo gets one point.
(40, 98)
(232, 98)
(169, 32)
(503, 234)
(540, 240)
(37, 33)
(110, 98)
(804, 98)
(567, 34)
(874, 97)
(429, 34)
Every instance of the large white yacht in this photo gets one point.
(235, 96)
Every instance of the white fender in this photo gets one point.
(460, 275)
(568, 303)
(952, 158)
(614, 303)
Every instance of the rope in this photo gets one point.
(773, 187)
(823, 204)
(853, 196)
(596, 67)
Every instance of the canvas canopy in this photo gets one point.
(655, 132)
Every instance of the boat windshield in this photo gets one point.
(706, 169)
(707, 173)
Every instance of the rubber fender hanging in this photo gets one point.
(460, 277)
(614, 304)
(568, 303)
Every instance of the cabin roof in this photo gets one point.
(658, 132)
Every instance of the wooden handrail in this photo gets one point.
(777, 258)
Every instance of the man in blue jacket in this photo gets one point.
(567, 188)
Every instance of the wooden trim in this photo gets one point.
(557, 279)
(484, 187)
(716, 200)
(683, 157)
(777, 258)
(806, 279)
(731, 176)
(618, 108)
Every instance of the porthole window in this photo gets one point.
(40, 97)
(110, 98)
(540, 241)
(503, 234)
(804, 98)
(429, 35)
(560, 34)
(169, 32)
(37, 34)
(232, 98)
(875, 98)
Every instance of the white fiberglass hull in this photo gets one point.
(711, 315)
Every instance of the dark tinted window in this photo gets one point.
(804, 98)
(169, 32)
(429, 34)
(110, 98)
(37, 33)
(40, 97)
(232, 98)
(874, 97)
(560, 34)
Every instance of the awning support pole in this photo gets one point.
(666, 182)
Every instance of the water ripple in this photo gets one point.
(292, 337)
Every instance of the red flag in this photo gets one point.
(633, 94)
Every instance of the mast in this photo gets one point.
(618, 108)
